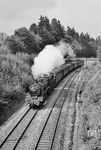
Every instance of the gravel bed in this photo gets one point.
(64, 134)
(6, 129)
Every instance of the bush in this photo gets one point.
(26, 58)
(15, 76)
(4, 50)
(12, 99)
(13, 93)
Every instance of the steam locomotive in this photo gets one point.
(43, 86)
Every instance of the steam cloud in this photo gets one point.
(50, 58)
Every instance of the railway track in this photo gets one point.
(17, 132)
(44, 139)
(47, 134)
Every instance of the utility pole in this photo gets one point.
(85, 59)
(85, 62)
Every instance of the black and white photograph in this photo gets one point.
(50, 74)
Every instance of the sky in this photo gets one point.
(83, 15)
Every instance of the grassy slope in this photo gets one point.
(88, 134)
(15, 77)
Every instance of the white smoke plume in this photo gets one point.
(66, 49)
(49, 58)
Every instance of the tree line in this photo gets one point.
(46, 32)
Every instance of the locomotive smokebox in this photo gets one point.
(34, 89)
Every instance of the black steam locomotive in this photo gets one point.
(43, 86)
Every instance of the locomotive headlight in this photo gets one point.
(40, 99)
(34, 97)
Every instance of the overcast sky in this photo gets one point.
(83, 15)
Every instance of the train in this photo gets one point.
(43, 86)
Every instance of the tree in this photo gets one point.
(29, 39)
(44, 23)
(71, 32)
(3, 38)
(99, 53)
(45, 31)
(57, 30)
(89, 44)
(98, 43)
(15, 45)
(34, 28)
(24, 40)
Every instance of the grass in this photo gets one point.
(90, 109)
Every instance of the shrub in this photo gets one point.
(15, 76)
(26, 80)
(26, 58)
(4, 50)
(13, 93)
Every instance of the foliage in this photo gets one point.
(99, 53)
(87, 45)
(14, 74)
(47, 32)
(25, 57)
(15, 44)
(57, 29)
(71, 32)
(50, 33)
(24, 40)
(34, 28)
(4, 50)
(29, 40)
(98, 42)
(3, 38)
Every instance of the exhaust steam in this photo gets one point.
(50, 58)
